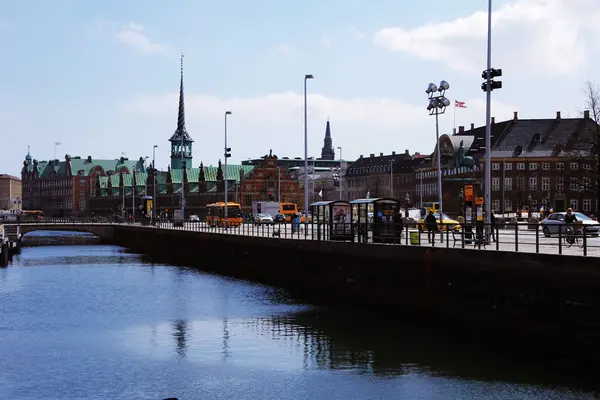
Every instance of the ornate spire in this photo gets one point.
(327, 152)
(201, 177)
(181, 113)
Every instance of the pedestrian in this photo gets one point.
(399, 227)
(493, 226)
(431, 224)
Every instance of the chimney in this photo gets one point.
(461, 129)
(361, 156)
(586, 114)
(406, 152)
(558, 115)
(372, 155)
(472, 126)
(516, 116)
(454, 131)
(493, 120)
(417, 153)
(393, 153)
(380, 154)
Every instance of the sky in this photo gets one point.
(102, 77)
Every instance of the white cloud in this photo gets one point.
(325, 42)
(275, 121)
(530, 36)
(283, 49)
(133, 35)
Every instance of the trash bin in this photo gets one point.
(414, 238)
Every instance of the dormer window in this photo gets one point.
(518, 150)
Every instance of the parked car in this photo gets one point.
(552, 224)
(263, 219)
(194, 218)
(449, 224)
(279, 218)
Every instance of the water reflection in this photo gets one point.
(180, 333)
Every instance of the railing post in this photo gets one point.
(537, 238)
(584, 242)
(560, 239)
(516, 236)
(497, 237)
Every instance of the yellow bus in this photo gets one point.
(288, 209)
(216, 214)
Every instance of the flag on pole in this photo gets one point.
(459, 104)
(321, 193)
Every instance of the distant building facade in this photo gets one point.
(535, 162)
(10, 192)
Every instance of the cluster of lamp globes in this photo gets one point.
(437, 102)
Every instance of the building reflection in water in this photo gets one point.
(180, 334)
(226, 353)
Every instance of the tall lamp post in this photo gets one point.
(227, 154)
(461, 199)
(529, 200)
(392, 178)
(279, 184)
(437, 105)
(407, 201)
(306, 77)
(581, 190)
(341, 173)
(154, 179)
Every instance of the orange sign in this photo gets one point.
(468, 192)
(479, 200)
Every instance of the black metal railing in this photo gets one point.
(517, 237)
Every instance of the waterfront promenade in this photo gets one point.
(512, 238)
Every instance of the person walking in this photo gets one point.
(431, 224)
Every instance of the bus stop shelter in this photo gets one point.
(378, 216)
(332, 220)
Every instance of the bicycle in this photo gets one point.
(574, 236)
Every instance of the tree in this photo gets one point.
(584, 146)
(374, 183)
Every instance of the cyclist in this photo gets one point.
(570, 219)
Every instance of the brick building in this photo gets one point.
(10, 192)
(534, 162)
(373, 174)
(63, 188)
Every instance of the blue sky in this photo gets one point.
(101, 77)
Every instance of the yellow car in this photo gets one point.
(449, 224)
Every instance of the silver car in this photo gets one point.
(552, 224)
(263, 219)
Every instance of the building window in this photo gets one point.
(495, 166)
(496, 206)
(495, 184)
(532, 166)
(507, 205)
(560, 166)
(587, 166)
(587, 205)
(574, 165)
(507, 183)
(532, 183)
(520, 166)
(586, 182)
(508, 166)
(545, 166)
(574, 204)
(545, 184)
(560, 184)
(573, 185)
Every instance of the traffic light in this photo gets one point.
(227, 152)
(494, 73)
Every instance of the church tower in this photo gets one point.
(181, 141)
(327, 152)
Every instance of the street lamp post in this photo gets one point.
(227, 154)
(279, 184)
(341, 174)
(392, 178)
(154, 180)
(306, 77)
(529, 200)
(437, 105)
(407, 201)
(461, 199)
(581, 190)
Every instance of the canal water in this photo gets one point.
(95, 322)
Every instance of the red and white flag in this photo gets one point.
(459, 104)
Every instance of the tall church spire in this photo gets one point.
(327, 152)
(181, 141)
(181, 113)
